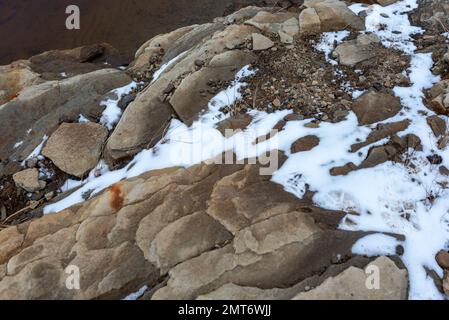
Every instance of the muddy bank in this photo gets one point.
(28, 27)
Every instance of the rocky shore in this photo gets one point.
(107, 166)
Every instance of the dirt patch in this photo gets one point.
(298, 77)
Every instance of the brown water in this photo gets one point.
(28, 27)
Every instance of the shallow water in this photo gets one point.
(28, 27)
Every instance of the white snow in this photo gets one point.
(37, 151)
(375, 245)
(18, 144)
(83, 119)
(164, 67)
(390, 198)
(136, 295)
(112, 113)
(328, 42)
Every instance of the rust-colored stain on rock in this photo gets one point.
(117, 198)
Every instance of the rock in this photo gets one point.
(14, 78)
(154, 47)
(352, 284)
(75, 148)
(438, 125)
(442, 259)
(305, 144)
(283, 24)
(194, 94)
(277, 103)
(439, 97)
(261, 42)
(373, 107)
(328, 15)
(446, 282)
(146, 119)
(444, 171)
(233, 124)
(343, 170)
(36, 112)
(309, 22)
(176, 242)
(382, 131)
(29, 180)
(386, 2)
(378, 155)
(432, 15)
(10, 242)
(58, 64)
(350, 53)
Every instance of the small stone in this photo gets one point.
(444, 171)
(305, 144)
(29, 180)
(277, 103)
(50, 195)
(435, 159)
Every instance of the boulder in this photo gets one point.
(352, 284)
(29, 180)
(75, 148)
(373, 107)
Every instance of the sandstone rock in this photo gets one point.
(37, 111)
(446, 282)
(305, 144)
(309, 22)
(155, 47)
(329, 15)
(378, 155)
(261, 42)
(145, 120)
(75, 148)
(439, 97)
(382, 131)
(350, 53)
(176, 242)
(373, 107)
(438, 125)
(10, 242)
(233, 124)
(352, 284)
(14, 78)
(283, 24)
(58, 64)
(442, 259)
(193, 94)
(386, 2)
(432, 15)
(29, 180)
